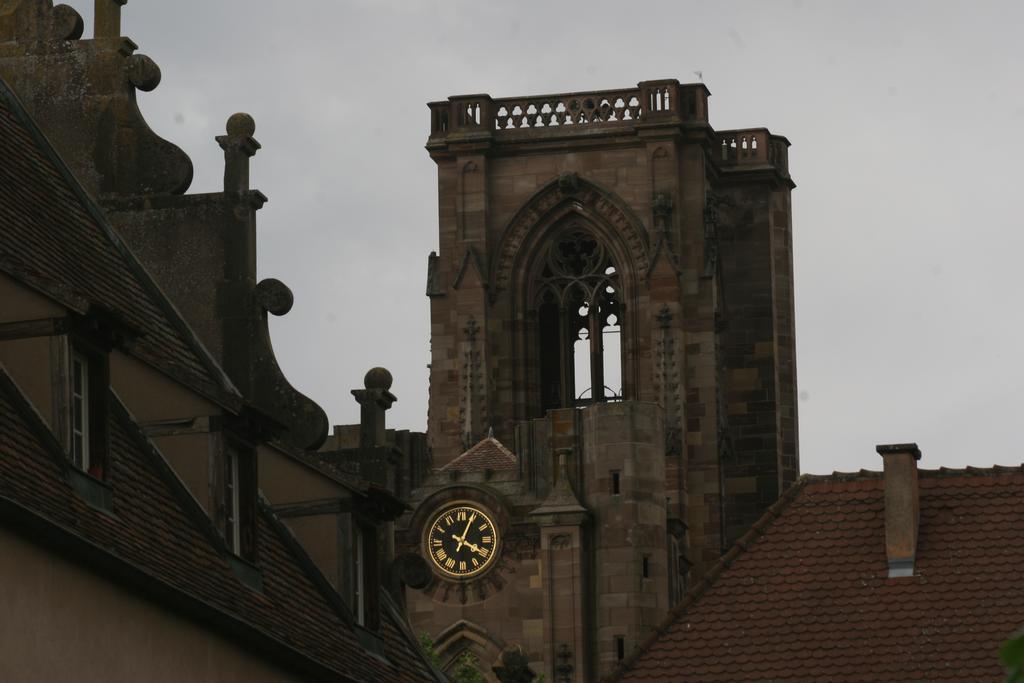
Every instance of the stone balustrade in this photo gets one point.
(752, 147)
(651, 101)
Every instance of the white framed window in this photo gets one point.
(358, 576)
(79, 408)
(232, 503)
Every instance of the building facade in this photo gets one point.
(611, 306)
(162, 514)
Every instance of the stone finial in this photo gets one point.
(274, 296)
(67, 23)
(107, 18)
(143, 72)
(378, 379)
(374, 401)
(239, 146)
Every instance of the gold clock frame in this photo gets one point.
(491, 561)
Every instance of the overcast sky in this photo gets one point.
(907, 125)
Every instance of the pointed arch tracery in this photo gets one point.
(565, 196)
(578, 309)
(573, 258)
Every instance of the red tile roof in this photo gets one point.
(159, 530)
(487, 454)
(53, 238)
(805, 594)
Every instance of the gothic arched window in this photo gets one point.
(578, 312)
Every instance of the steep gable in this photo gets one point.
(54, 239)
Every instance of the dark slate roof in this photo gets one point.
(160, 539)
(805, 594)
(53, 238)
(487, 454)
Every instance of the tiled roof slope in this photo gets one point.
(487, 454)
(54, 238)
(805, 595)
(160, 531)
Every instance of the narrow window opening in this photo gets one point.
(578, 313)
(616, 490)
(359, 576)
(581, 360)
(87, 387)
(80, 432)
(239, 491)
(646, 567)
(620, 648)
(612, 356)
(232, 504)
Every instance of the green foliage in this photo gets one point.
(1012, 654)
(466, 669)
(467, 666)
(427, 644)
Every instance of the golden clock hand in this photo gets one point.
(462, 542)
(475, 548)
(468, 524)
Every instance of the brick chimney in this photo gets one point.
(901, 506)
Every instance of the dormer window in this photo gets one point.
(87, 383)
(362, 581)
(232, 525)
(239, 501)
(358, 576)
(80, 410)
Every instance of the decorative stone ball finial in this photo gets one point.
(274, 296)
(67, 23)
(239, 146)
(378, 378)
(242, 125)
(143, 72)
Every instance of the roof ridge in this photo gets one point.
(706, 582)
(162, 301)
(938, 472)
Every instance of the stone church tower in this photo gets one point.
(612, 380)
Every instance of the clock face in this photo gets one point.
(461, 542)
